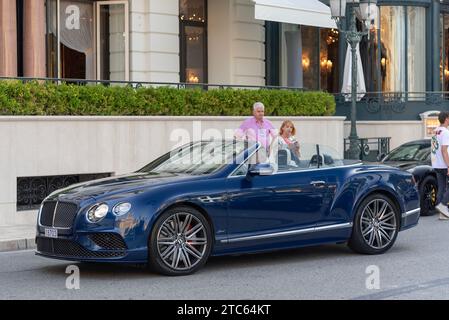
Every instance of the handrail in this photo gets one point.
(395, 97)
(179, 85)
(182, 85)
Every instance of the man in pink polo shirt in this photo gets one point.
(257, 128)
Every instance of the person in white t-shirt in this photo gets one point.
(440, 163)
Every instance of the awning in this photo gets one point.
(304, 12)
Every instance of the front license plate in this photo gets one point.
(51, 233)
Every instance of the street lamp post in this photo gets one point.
(353, 37)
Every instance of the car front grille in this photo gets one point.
(108, 241)
(48, 210)
(58, 214)
(71, 249)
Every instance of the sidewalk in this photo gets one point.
(14, 238)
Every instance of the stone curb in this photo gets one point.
(16, 245)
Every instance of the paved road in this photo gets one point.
(417, 267)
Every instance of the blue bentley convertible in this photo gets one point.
(227, 197)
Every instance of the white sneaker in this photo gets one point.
(443, 210)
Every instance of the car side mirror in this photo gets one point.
(261, 169)
(380, 157)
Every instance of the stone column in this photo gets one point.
(219, 42)
(294, 59)
(34, 30)
(8, 38)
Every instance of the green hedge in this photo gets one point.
(33, 98)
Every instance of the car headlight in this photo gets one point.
(97, 212)
(121, 209)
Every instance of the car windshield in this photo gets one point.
(409, 152)
(197, 158)
(294, 158)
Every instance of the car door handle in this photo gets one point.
(318, 184)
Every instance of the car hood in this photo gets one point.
(403, 165)
(129, 183)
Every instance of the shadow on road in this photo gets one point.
(235, 262)
(101, 270)
(309, 255)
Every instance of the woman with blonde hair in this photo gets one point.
(287, 138)
(285, 141)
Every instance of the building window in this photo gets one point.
(310, 57)
(444, 52)
(52, 39)
(193, 40)
(82, 45)
(403, 50)
(319, 60)
(272, 53)
(393, 66)
(112, 47)
(393, 56)
(70, 43)
(329, 43)
(372, 53)
(416, 51)
(20, 38)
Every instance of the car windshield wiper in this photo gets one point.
(177, 173)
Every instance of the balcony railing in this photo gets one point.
(373, 100)
(393, 105)
(139, 84)
(370, 148)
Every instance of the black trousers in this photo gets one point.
(443, 188)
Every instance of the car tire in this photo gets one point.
(428, 190)
(180, 242)
(374, 230)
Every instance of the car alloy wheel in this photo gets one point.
(378, 224)
(428, 191)
(182, 241)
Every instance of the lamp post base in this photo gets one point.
(354, 148)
